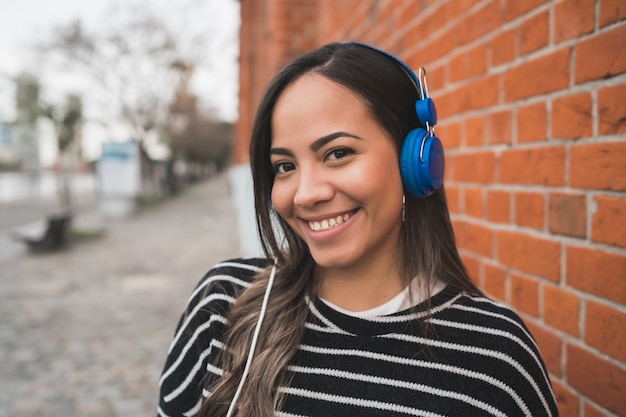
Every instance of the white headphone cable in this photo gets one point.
(255, 338)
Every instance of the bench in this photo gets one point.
(46, 234)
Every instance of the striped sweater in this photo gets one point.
(478, 360)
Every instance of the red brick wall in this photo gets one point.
(531, 97)
(272, 32)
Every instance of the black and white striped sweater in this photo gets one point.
(480, 358)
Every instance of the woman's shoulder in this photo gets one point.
(244, 269)
(226, 279)
(200, 330)
(216, 292)
(490, 338)
(482, 315)
(238, 271)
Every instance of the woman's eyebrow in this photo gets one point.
(316, 145)
(319, 143)
(281, 151)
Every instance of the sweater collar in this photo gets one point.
(326, 319)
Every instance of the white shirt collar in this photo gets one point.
(400, 302)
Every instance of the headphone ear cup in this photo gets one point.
(409, 159)
(421, 178)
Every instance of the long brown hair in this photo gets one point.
(428, 246)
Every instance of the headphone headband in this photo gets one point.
(400, 62)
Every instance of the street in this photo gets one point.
(85, 330)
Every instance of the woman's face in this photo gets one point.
(337, 180)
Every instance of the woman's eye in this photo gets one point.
(338, 153)
(283, 167)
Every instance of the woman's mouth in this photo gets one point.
(329, 223)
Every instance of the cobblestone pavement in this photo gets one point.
(84, 331)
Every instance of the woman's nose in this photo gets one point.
(313, 187)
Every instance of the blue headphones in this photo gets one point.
(421, 157)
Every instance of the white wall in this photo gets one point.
(243, 197)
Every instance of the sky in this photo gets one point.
(25, 22)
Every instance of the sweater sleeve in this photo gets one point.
(192, 358)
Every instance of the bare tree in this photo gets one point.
(67, 122)
(134, 59)
(196, 137)
(27, 104)
(138, 60)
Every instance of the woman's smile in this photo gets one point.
(329, 222)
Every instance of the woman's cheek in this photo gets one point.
(280, 200)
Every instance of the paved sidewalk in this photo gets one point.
(85, 331)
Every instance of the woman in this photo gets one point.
(371, 311)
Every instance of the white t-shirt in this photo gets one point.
(400, 302)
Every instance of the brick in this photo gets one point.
(529, 210)
(437, 19)
(450, 168)
(498, 206)
(440, 46)
(525, 294)
(494, 283)
(476, 61)
(607, 224)
(598, 166)
(475, 131)
(474, 238)
(503, 48)
(475, 167)
(597, 379)
(480, 94)
(534, 33)
(448, 104)
(473, 268)
(571, 116)
(532, 122)
(612, 11)
(500, 127)
(485, 20)
(573, 18)
(449, 134)
(516, 8)
(568, 215)
(415, 36)
(566, 400)
(538, 76)
(612, 110)
(473, 202)
(550, 347)
(457, 7)
(537, 166)
(457, 68)
(529, 254)
(436, 77)
(453, 198)
(561, 309)
(591, 411)
(596, 272)
(601, 56)
(605, 329)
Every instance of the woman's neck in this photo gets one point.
(363, 288)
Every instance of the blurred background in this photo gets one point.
(124, 174)
(79, 79)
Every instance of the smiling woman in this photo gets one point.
(362, 306)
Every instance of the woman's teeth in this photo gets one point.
(328, 223)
